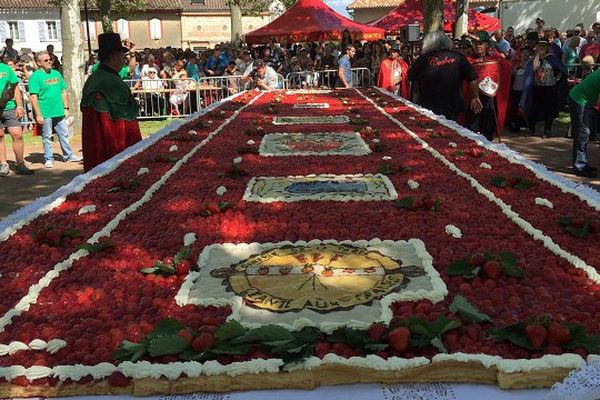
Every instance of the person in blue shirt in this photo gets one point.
(345, 68)
(191, 67)
(216, 64)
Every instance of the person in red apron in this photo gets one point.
(393, 73)
(109, 110)
(494, 84)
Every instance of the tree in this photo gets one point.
(246, 7)
(122, 8)
(433, 15)
(462, 18)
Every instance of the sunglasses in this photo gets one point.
(46, 60)
(151, 72)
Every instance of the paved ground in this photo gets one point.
(17, 191)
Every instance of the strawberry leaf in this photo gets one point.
(167, 345)
(580, 338)
(512, 333)
(499, 181)
(230, 330)
(266, 333)
(508, 261)
(183, 254)
(424, 333)
(467, 311)
(406, 202)
(462, 268)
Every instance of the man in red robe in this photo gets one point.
(109, 110)
(491, 65)
(393, 73)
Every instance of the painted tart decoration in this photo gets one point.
(321, 277)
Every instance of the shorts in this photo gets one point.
(8, 119)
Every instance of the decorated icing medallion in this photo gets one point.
(324, 283)
(323, 119)
(320, 187)
(321, 277)
(313, 144)
(311, 105)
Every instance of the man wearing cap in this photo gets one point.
(50, 102)
(393, 73)
(261, 76)
(539, 25)
(109, 110)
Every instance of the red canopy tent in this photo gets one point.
(311, 21)
(411, 12)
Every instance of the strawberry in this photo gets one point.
(493, 269)
(376, 331)
(400, 338)
(183, 268)
(213, 208)
(477, 260)
(186, 335)
(558, 334)
(340, 349)
(578, 222)
(594, 226)
(536, 334)
(203, 342)
(417, 203)
(321, 349)
(117, 379)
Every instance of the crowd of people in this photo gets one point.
(529, 82)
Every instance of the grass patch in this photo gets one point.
(149, 127)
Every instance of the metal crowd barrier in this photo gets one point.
(361, 77)
(578, 71)
(161, 98)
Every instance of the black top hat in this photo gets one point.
(109, 42)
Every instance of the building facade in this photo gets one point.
(159, 25)
(205, 23)
(32, 24)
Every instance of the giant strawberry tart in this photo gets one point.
(293, 239)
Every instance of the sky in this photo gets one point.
(339, 6)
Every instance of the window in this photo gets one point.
(155, 29)
(92, 26)
(201, 2)
(51, 30)
(13, 30)
(123, 28)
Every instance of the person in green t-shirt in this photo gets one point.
(11, 110)
(584, 102)
(50, 103)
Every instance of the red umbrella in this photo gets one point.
(311, 21)
(411, 12)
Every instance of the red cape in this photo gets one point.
(103, 137)
(384, 80)
(500, 71)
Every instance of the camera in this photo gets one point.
(254, 73)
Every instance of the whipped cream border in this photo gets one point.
(34, 291)
(307, 91)
(392, 194)
(506, 209)
(52, 346)
(438, 292)
(362, 148)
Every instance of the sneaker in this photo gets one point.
(4, 169)
(49, 164)
(74, 158)
(21, 169)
